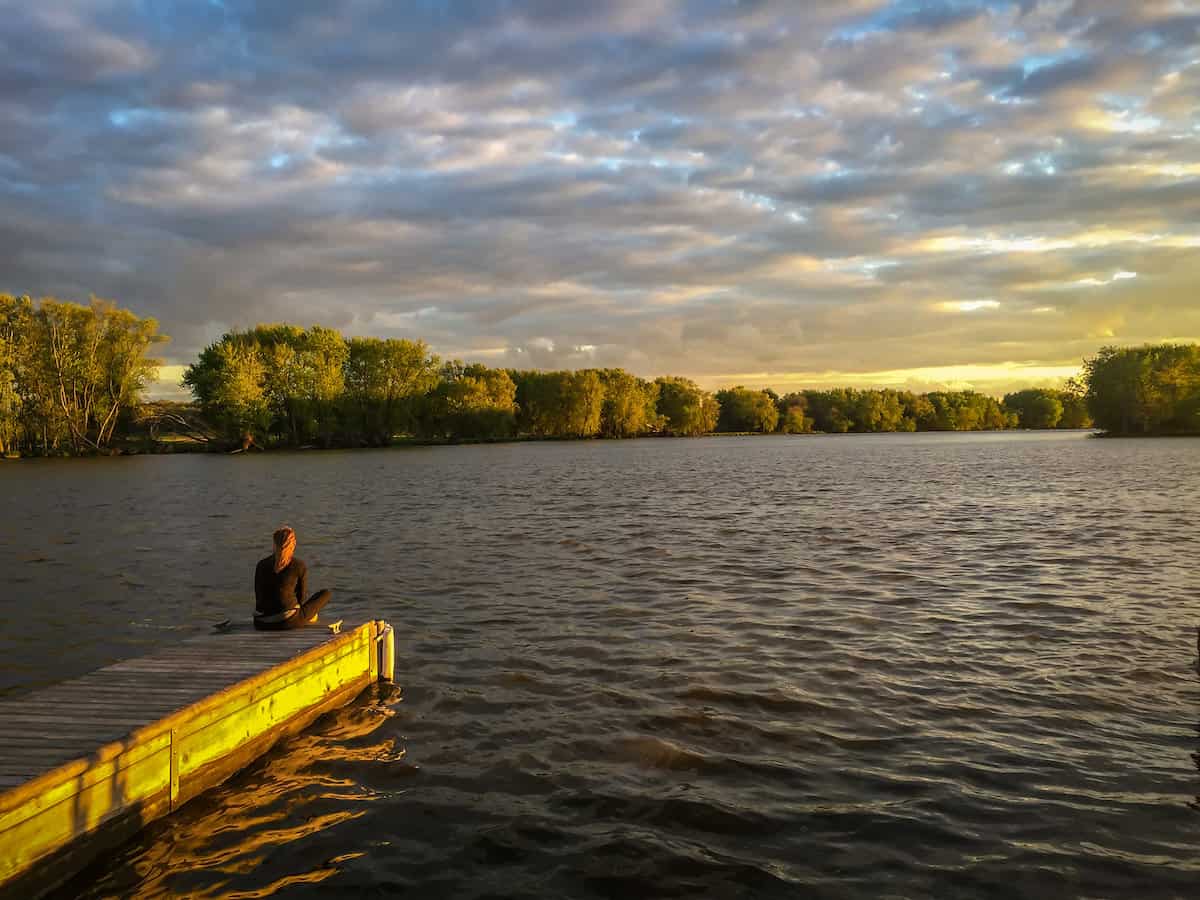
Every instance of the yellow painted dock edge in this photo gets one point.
(54, 825)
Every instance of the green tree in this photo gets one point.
(323, 354)
(471, 402)
(963, 411)
(742, 409)
(279, 352)
(228, 380)
(583, 403)
(70, 374)
(560, 404)
(1116, 382)
(1154, 389)
(304, 378)
(43, 425)
(832, 410)
(685, 408)
(630, 405)
(918, 411)
(384, 381)
(877, 410)
(1035, 407)
(1074, 400)
(15, 315)
(94, 359)
(794, 418)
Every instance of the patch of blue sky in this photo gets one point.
(939, 113)
(908, 13)
(1148, 42)
(1046, 163)
(212, 23)
(1004, 98)
(133, 116)
(279, 160)
(812, 111)
(382, 175)
(874, 266)
(758, 201)
(14, 186)
(870, 266)
(1031, 64)
(336, 141)
(436, 10)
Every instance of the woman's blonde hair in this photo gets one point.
(285, 546)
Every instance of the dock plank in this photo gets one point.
(118, 699)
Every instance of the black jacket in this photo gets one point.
(277, 592)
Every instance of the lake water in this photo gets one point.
(860, 666)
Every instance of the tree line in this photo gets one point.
(292, 386)
(72, 379)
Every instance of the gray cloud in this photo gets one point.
(706, 187)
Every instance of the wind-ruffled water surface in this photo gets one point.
(860, 666)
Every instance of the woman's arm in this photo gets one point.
(261, 591)
(302, 585)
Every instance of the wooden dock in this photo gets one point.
(87, 763)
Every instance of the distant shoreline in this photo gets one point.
(181, 447)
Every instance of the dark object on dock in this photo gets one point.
(84, 765)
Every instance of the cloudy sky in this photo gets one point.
(786, 193)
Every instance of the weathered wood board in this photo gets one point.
(86, 763)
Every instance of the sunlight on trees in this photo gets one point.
(68, 373)
(685, 409)
(747, 410)
(1153, 389)
(471, 402)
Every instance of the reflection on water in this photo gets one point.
(927, 665)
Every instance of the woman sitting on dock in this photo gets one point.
(280, 585)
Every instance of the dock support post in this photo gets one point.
(387, 653)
